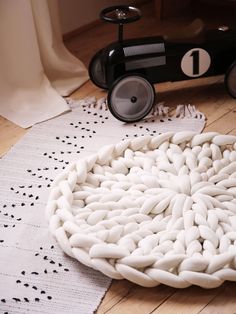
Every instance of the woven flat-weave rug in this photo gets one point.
(35, 276)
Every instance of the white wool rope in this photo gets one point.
(153, 210)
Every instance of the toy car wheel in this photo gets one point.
(230, 80)
(131, 98)
(96, 71)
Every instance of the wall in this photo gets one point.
(171, 8)
(77, 13)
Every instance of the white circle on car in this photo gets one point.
(195, 62)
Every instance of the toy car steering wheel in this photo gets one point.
(120, 14)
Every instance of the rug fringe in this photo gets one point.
(188, 111)
(181, 111)
(90, 102)
(160, 110)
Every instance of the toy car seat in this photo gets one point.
(193, 33)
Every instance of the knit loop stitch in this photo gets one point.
(153, 210)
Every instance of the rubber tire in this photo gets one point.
(227, 78)
(94, 69)
(110, 96)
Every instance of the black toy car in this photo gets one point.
(129, 68)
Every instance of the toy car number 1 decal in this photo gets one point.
(195, 62)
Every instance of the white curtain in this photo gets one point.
(35, 67)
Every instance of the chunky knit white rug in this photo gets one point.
(36, 276)
(152, 210)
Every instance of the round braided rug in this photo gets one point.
(152, 210)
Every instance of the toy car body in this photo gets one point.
(195, 52)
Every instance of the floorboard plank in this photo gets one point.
(141, 300)
(190, 300)
(118, 290)
(9, 135)
(224, 124)
(225, 303)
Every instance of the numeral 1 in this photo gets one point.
(195, 55)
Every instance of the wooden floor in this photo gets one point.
(210, 97)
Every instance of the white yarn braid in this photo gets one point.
(152, 210)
